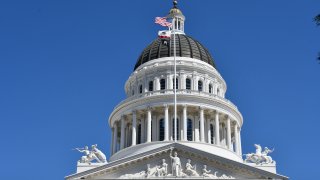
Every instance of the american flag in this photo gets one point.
(163, 21)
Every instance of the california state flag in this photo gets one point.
(164, 34)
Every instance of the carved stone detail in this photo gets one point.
(259, 157)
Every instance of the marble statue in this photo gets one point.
(163, 170)
(99, 153)
(259, 157)
(226, 177)
(191, 170)
(176, 164)
(94, 154)
(207, 173)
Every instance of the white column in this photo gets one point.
(143, 140)
(202, 138)
(122, 137)
(185, 123)
(229, 133)
(217, 125)
(208, 130)
(236, 138)
(156, 84)
(149, 125)
(196, 129)
(183, 81)
(166, 122)
(170, 82)
(240, 147)
(195, 83)
(115, 137)
(134, 126)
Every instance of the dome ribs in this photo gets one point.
(185, 47)
(191, 51)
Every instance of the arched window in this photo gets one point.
(177, 83)
(140, 89)
(210, 88)
(161, 130)
(132, 92)
(189, 130)
(179, 27)
(150, 86)
(188, 83)
(162, 84)
(218, 91)
(200, 86)
(212, 134)
(139, 134)
(178, 134)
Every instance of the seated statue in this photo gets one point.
(190, 170)
(206, 173)
(162, 171)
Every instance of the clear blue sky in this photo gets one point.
(63, 65)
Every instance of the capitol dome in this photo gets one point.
(175, 101)
(186, 46)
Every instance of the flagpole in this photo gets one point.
(175, 80)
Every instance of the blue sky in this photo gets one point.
(63, 65)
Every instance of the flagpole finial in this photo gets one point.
(175, 4)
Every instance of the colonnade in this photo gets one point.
(194, 123)
(184, 81)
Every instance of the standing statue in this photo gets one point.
(190, 170)
(162, 171)
(206, 173)
(94, 154)
(176, 164)
(259, 157)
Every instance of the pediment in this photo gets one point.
(159, 164)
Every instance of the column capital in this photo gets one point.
(235, 123)
(184, 105)
(149, 108)
(201, 108)
(134, 111)
(165, 105)
(217, 112)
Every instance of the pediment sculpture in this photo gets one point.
(177, 170)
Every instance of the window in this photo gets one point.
(140, 89)
(150, 86)
(188, 84)
(174, 133)
(177, 83)
(161, 130)
(218, 91)
(200, 86)
(139, 134)
(189, 130)
(179, 25)
(212, 133)
(132, 92)
(162, 84)
(210, 88)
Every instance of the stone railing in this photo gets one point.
(179, 92)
